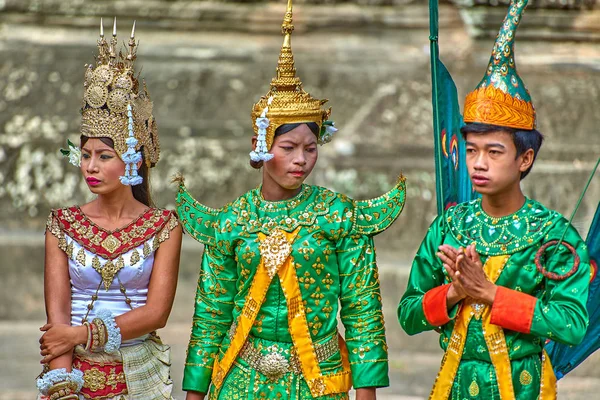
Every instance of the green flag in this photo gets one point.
(452, 178)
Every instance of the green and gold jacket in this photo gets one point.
(540, 296)
(333, 256)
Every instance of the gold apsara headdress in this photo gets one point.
(116, 105)
(287, 102)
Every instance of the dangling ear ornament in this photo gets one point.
(131, 157)
(261, 153)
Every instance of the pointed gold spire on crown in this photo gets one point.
(290, 103)
(102, 45)
(286, 72)
(131, 52)
(112, 49)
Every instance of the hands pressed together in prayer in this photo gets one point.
(465, 270)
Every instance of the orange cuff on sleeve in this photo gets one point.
(513, 310)
(435, 306)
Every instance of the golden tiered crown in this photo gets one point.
(289, 102)
(110, 87)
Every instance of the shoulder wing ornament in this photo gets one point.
(376, 215)
(200, 221)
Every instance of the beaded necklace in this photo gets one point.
(469, 224)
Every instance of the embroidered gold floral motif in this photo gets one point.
(53, 227)
(306, 280)
(474, 389)
(96, 264)
(525, 378)
(108, 270)
(69, 250)
(113, 379)
(111, 243)
(317, 386)
(318, 266)
(274, 250)
(135, 257)
(146, 251)
(94, 379)
(89, 235)
(81, 257)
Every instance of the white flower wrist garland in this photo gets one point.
(55, 376)
(113, 342)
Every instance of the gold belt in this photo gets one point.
(274, 364)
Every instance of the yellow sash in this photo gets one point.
(276, 259)
(496, 345)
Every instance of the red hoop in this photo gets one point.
(552, 275)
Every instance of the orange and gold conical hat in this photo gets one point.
(501, 97)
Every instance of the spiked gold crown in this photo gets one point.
(290, 103)
(110, 86)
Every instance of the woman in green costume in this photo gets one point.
(499, 275)
(281, 261)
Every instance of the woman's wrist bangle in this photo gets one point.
(88, 342)
(112, 333)
(62, 389)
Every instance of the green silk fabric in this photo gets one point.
(334, 257)
(559, 314)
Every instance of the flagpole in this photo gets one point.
(434, 54)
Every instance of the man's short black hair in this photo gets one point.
(523, 139)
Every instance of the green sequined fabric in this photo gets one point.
(559, 313)
(334, 257)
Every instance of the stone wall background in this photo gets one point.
(204, 82)
(207, 62)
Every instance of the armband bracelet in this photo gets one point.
(113, 341)
(62, 390)
(98, 335)
(88, 342)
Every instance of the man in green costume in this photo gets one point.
(281, 261)
(499, 275)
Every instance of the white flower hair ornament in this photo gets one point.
(327, 130)
(261, 153)
(73, 153)
(131, 157)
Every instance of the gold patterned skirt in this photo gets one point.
(137, 372)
